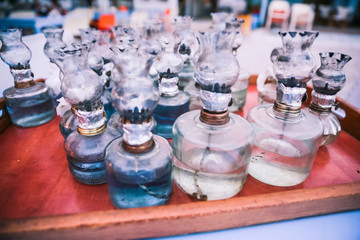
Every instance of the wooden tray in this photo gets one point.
(40, 199)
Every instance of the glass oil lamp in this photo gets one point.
(29, 103)
(125, 58)
(172, 102)
(54, 41)
(188, 45)
(287, 138)
(83, 88)
(329, 79)
(139, 164)
(212, 147)
(99, 58)
(150, 45)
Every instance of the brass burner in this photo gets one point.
(318, 108)
(280, 107)
(93, 131)
(24, 84)
(214, 118)
(141, 148)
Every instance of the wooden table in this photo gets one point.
(40, 198)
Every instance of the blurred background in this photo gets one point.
(338, 22)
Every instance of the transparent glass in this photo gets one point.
(286, 138)
(150, 45)
(31, 106)
(266, 81)
(139, 180)
(68, 123)
(128, 62)
(235, 25)
(212, 147)
(239, 91)
(193, 90)
(331, 125)
(216, 77)
(219, 20)
(139, 165)
(168, 110)
(172, 102)
(29, 103)
(83, 88)
(188, 45)
(80, 85)
(285, 145)
(85, 155)
(211, 162)
(54, 40)
(100, 60)
(295, 65)
(329, 79)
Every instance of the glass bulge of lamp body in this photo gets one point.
(219, 20)
(286, 138)
(29, 103)
(82, 88)
(68, 122)
(328, 80)
(212, 154)
(139, 164)
(99, 59)
(127, 44)
(188, 45)
(172, 102)
(54, 40)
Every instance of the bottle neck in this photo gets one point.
(215, 102)
(168, 86)
(321, 102)
(22, 77)
(214, 118)
(137, 138)
(289, 99)
(91, 122)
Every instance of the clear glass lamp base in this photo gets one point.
(29, 107)
(139, 180)
(211, 161)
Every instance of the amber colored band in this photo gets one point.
(93, 131)
(318, 108)
(142, 148)
(214, 118)
(280, 107)
(24, 84)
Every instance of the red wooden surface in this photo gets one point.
(35, 180)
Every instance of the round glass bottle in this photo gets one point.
(329, 79)
(29, 103)
(139, 164)
(286, 138)
(212, 147)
